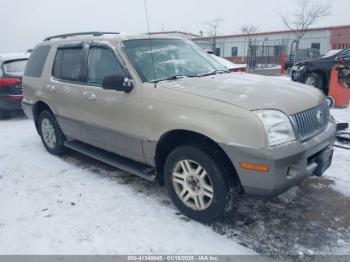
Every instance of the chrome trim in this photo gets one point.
(311, 122)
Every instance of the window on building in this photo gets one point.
(277, 50)
(316, 46)
(217, 51)
(234, 51)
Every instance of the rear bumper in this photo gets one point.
(289, 163)
(11, 102)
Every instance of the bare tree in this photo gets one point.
(213, 27)
(306, 14)
(249, 29)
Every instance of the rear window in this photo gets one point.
(15, 67)
(67, 65)
(36, 61)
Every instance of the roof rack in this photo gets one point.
(93, 33)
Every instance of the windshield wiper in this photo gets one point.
(214, 73)
(173, 77)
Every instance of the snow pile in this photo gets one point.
(339, 170)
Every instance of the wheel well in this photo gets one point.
(37, 109)
(176, 138)
(324, 78)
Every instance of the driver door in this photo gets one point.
(111, 119)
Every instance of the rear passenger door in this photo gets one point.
(111, 118)
(65, 89)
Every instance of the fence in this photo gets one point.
(266, 52)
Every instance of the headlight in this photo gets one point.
(277, 125)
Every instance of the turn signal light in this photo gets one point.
(250, 166)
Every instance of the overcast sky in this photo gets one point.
(26, 22)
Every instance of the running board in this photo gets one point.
(125, 164)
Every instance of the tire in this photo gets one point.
(316, 80)
(4, 114)
(50, 133)
(224, 193)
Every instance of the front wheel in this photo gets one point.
(316, 80)
(198, 185)
(50, 133)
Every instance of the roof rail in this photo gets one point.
(93, 33)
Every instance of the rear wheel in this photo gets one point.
(51, 134)
(4, 114)
(316, 80)
(198, 184)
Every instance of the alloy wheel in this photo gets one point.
(192, 185)
(48, 133)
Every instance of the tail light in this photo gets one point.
(9, 82)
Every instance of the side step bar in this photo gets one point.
(125, 164)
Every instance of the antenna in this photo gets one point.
(150, 42)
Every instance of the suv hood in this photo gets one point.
(250, 91)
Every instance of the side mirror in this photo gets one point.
(118, 83)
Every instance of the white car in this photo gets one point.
(232, 67)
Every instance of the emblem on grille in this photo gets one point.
(320, 117)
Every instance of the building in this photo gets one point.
(267, 47)
(176, 33)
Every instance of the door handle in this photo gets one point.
(89, 96)
(51, 88)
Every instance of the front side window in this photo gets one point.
(101, 63)
(15, 67)
(171, 57)
(68, 64)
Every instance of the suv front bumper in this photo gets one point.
(289, 163)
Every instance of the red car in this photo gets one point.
(11, 71)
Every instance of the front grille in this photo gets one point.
(311, 122)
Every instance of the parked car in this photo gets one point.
(162, 108)
(11, 72)
(232, 67)
(301, 55)
(316, 72)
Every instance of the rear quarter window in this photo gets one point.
(37, 61)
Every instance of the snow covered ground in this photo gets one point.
(76, 205)
(50, 205)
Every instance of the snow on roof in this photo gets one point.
(10, 56)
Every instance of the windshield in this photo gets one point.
(172, 58)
